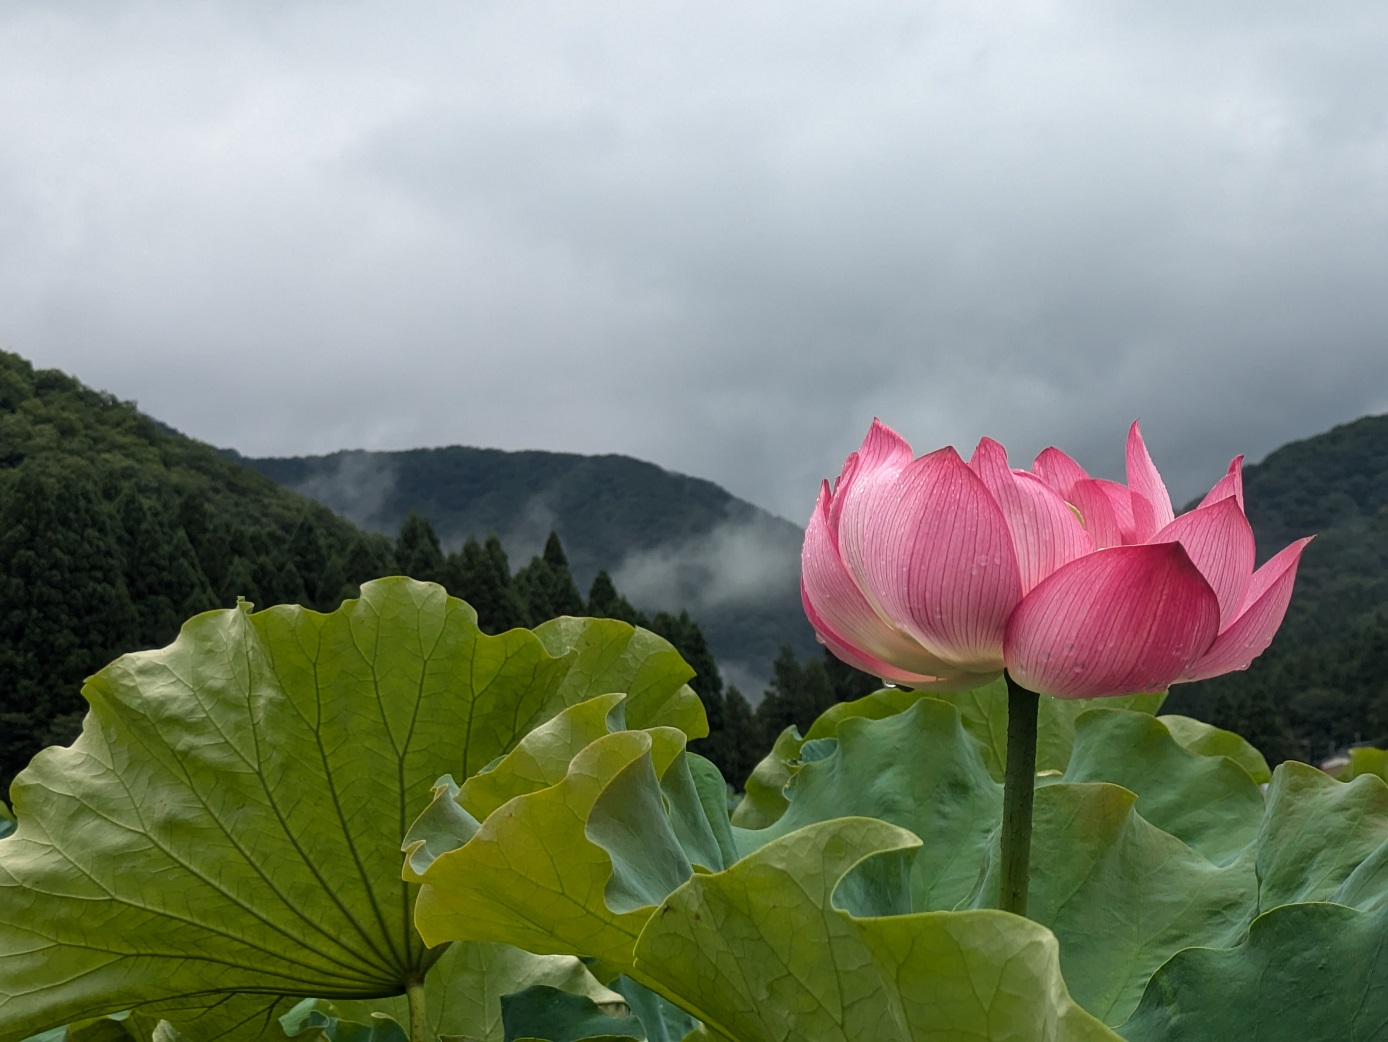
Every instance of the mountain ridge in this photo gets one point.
(670, 541)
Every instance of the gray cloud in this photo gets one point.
(719, 237)
(737, 563)
(358, 486)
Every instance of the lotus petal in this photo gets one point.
(1107, 510)
(889, 672)
(1151, 502)
(1229, 485)
(1115, 622)
(844, 619)
(1249, 635)
(1059, 471)
(1219, 540)
(933, 552)
(883, 455)
(1045, 531)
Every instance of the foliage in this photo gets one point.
(1153, 845)
(236, 802)
(220, 850)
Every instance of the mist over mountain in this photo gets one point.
(670, 542)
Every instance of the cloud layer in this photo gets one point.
(720, 237)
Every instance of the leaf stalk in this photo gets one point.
(1019, 787)
(419, 1014)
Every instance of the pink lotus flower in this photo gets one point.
(937, 573)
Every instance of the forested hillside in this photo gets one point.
(669, 540)
(114, 530)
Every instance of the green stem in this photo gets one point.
(1019, 784)
(419, 1016)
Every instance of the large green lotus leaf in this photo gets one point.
(984, 714)
(575, 868)
(1361, 761)
(1317, 834)
(612, 656)
(1208, 740)
(1209, 802)
(1122, 895)
(765, 800)
(542, 757)
(919, 769)
(548, 1014)
(463, 990)
(807, 938)
(1124, 876)
(244, 792)
(1306, 971)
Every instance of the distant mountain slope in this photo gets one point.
(113, 530)
(668, 540)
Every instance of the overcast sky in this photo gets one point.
(721, 237)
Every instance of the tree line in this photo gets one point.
(91, 569)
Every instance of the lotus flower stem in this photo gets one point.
(419, 1015)
(1019, 784)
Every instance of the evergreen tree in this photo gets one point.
(604, 602)
(210, 538)
(417, 550)
(288, 586)
(546, 587)
(162, 573)
(332, 584)
(849, 684)
(310, 558)
(535, 587)
(564, 596)
(65, 610)
(482, 577)
(681, 631)
(745, 744)
(241, 579)
(368, 557)
(797, 695)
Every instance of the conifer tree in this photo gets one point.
(417, 550)
(797, 695)
(368, 557)
(545, 586)
(310, 558)
(745, 743)
(241, 579)
(162, 573)
(564, 596)
(288, 587)
(482, 577)
(65, 610)
(604, 602)
(210, 538)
